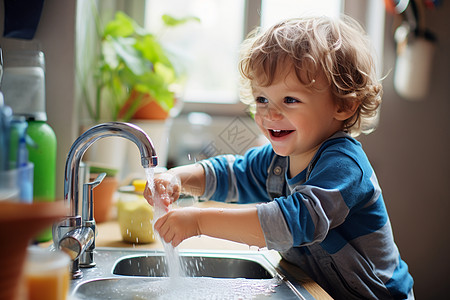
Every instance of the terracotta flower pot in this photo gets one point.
(19, 223)
(149, 111)
(103, 198)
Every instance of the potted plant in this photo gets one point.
(133, 77)
(133, 71)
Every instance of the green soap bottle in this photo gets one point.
(43, 154)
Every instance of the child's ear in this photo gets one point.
(343, 112)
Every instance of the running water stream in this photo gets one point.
(173, 260)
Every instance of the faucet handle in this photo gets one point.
(75, 242)
(64, 225)
(87, 203)
(87, 254)
(97, 180)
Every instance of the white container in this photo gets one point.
(16, 185)
(413, 67)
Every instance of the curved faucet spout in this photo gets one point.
(83, 142)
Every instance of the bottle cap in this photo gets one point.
(139, 185)
(23, 83)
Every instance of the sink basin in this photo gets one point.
(194, 266)
(186, 288)
(124, 273)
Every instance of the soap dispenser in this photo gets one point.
(23, 88)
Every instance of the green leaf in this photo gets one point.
(166, 73)
(149, 82)
(109, 55)
(172, 22)
(121, 26)
(152, 50)
(131, 57)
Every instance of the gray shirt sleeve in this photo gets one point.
(210, 179)
(276, 232)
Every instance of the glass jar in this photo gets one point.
(135, 215)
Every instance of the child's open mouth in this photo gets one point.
(279, 133)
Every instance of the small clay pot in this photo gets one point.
(103, 198)
(151, 110)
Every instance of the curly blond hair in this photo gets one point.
(337, 48)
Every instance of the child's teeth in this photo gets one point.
(277, 130)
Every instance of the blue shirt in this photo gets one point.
(330, 219)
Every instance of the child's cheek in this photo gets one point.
(259, 122)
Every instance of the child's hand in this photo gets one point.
(166, 189)
(178, 225)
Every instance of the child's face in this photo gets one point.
(295, 119)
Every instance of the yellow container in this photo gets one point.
(135, 216)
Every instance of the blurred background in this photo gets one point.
(409, 150)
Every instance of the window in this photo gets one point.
(209, 50)
(277, 10)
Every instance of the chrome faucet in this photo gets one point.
(75, 234)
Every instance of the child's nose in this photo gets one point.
(272, 112)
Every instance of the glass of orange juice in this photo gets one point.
(47, 274)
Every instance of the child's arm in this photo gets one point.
(239, 225)
(192, 179)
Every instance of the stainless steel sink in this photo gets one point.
(195, 266)
(123, 273)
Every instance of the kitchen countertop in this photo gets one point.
(109, 236)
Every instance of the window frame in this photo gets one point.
(370, 13)
(251, 21)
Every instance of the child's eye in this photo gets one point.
(261, 100)
(291, 100)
